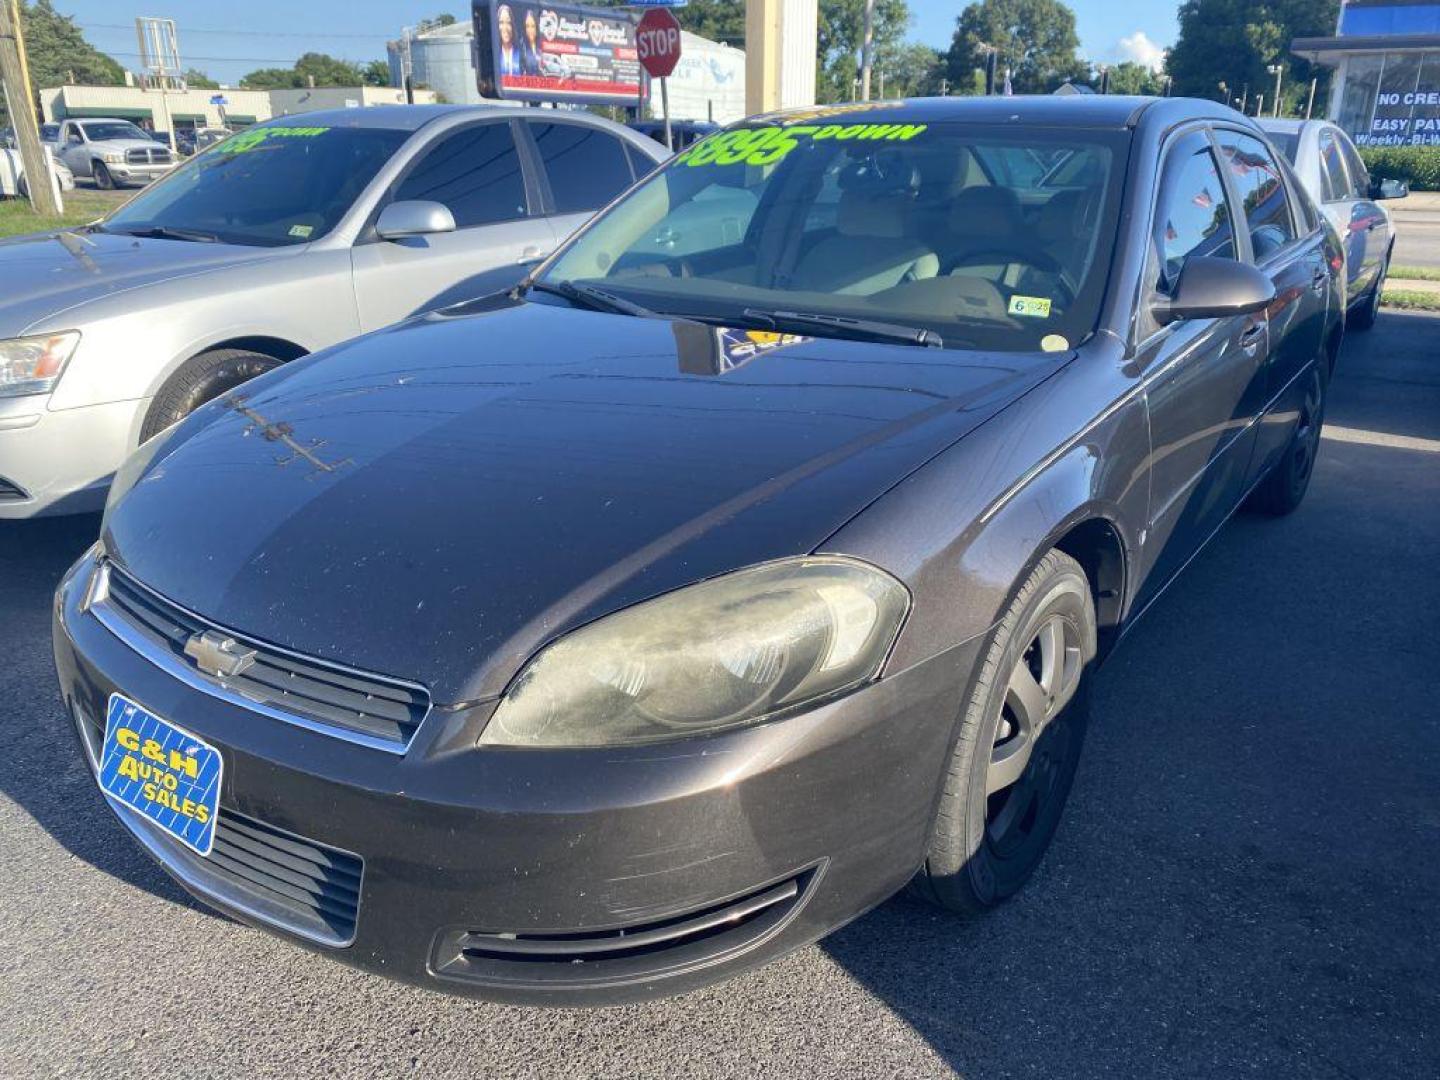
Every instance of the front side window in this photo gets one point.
(266, 187)
(1192, 217)
(1263, 198)
(587, 167)
(112, 129)
(1332, 169)
(887, 222)
(475, 172)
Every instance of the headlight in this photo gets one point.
(32, 365)
(727, 652)
(113, 158)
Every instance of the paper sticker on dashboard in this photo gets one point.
(1031, 307)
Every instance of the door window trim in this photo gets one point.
(367, 234)
(1329, 133)
(1240, 238)
(1299, 235)
(547, 196)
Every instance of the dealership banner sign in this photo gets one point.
(556, 52)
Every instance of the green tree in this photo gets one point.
(322, 69)
(58, 52)
(375, 73)
(445, 19)
(199, 80)
(841, 36)
(911, 70)
(1129, 77)
(718, 20)
(1234, 41)
(1035, 39)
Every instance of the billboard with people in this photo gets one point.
(556, 52)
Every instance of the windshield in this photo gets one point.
(266, 186)
(989, 236)
(112, 129)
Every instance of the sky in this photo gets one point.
(227, 39)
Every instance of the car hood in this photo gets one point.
(48, 273)
(437, 500)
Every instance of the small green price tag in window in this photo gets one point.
(1030, 307)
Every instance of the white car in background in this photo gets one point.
(13, 183)
(1330, 168)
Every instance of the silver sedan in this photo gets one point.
(1330, 168)
(284, 239)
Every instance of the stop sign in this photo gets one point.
(657, 39)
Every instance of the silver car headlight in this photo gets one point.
(113, 157)
(33, 365)
(724, 653)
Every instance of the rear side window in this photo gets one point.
(1332, 169)
(475, 172)
(587, 167)
(1192, 217)
(1263, 197)
(1359, 175)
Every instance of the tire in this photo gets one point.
(985, 845)
(199, 380)
(22, 188)
(103, 180)
(1284, 489)
(1363, 317)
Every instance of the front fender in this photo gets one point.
(964, 531)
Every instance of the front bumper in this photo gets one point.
(558, 876)
(60, 461)
(138, 174)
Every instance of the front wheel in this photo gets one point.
(103, 180)
(1010, 772)
(199, 380)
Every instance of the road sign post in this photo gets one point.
(657, 42)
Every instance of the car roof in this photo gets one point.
(1116, 111)
(386, 117)
(1285, 125)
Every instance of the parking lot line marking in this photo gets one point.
(1380, 438)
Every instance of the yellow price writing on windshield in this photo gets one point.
(767, 145)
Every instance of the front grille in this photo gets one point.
(11, 492)
(157, 156)
(638, 950)
(281, 878)
(338, 699)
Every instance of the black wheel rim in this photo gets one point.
(1033, 742)
(1307, 434)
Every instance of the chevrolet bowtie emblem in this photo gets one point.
(218, 655)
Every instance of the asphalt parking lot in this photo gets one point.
(1246, 882)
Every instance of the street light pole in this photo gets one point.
(1278, 70)
(867, 50)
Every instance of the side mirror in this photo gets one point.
(1389, 189)
(414, 217)
(1211, 288)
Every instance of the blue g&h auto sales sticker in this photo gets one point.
(161, 772)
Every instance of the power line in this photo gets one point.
(248, 33)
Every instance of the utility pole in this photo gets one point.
(867, 44)
(1278, 70)
(16, 83)
(1310, 104)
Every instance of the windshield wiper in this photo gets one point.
(166, 232)
(595, 299)
(842, 326)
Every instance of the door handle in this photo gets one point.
(1319, 281)
(1251, 337)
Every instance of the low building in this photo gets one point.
(1386, 56)
(180, 110)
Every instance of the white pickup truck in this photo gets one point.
(112, 152)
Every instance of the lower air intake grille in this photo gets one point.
(278, 877)
(637, 951)
(374, 706)
(11, 492)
